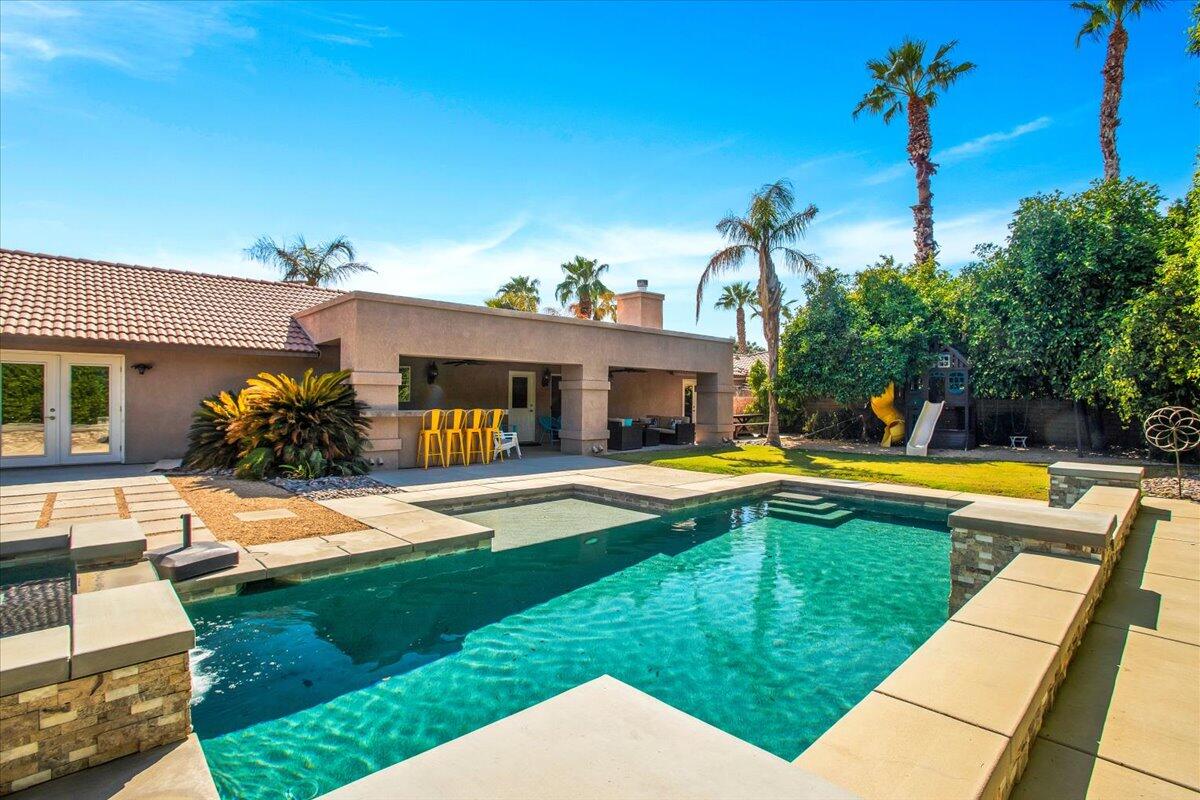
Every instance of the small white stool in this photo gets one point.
(1018, 442)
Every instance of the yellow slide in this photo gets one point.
(893, 421)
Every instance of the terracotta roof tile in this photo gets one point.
(743, 361)
(43, 295)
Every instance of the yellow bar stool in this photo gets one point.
(454, 428)
(475, 436)
(491, 430)
(432, 441)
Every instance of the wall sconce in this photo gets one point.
(141, 368)
(431, 371)
(546, 378)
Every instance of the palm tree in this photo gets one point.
(521, 293)
(605, 307)
(1110, 15)
(735, 297)
(787, 308)
(325, 264)
(903, 80)
(582, 289)
(771, 224)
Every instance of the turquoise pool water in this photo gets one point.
(767, 629)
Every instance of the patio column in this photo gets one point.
(714, 408)
(584, 407)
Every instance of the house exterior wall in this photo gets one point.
(470, 385)
(647, 394)
(159, 404)
(374, 329)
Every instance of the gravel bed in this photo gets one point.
(1167, 487)
(334, 486)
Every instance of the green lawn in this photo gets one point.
(1010, 478)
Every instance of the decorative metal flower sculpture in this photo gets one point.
(1174, 429)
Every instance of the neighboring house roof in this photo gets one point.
(743, 361)
(75, 298)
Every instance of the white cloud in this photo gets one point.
(471, 269)
(888, 174)
(338, 38)
(959, 152)
(983, 143)
(145, 39)
(852, 245)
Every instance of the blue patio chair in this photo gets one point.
(549, 427)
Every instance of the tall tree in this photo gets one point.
(520, 293)
(1043, 311)
(582, 289)
(787, 308)
(771, 225)
(324, 264)
(1110, 15)
(903, 81)
(735, 297)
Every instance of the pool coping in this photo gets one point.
(417, 523)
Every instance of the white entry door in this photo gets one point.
(522, 404)
(61, 408)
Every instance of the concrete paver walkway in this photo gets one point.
(1126, 722)
(152, 500)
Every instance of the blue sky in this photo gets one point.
(460, 144)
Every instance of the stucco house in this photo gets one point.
(121, 355)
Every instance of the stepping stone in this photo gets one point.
(260, 516)
(118, 539)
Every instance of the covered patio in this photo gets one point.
(408, 355)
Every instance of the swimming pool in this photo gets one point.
(766, 628)
(35, 596)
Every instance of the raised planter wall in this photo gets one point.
(1070, 480)
(986, 537)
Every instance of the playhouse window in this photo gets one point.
(956, 382)
(943, 361)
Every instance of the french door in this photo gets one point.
(61, 408)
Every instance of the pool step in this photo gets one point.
(828, 518)
(791, 505)
(796, 497)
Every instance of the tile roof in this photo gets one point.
(75, 298)
(743, 361)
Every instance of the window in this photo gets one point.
(520, 391)
(956, 382)
(943, 361)
(404, 390)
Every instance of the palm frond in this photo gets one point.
(798, 262)
(795, 226)
(729, 258)
(339, 245)
(1098, 18)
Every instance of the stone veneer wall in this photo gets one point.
(976, 557)
(1065, 490)
(62, 728)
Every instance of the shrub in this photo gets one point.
(209, 443)
(305, 428)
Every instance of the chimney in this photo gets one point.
(640, 307)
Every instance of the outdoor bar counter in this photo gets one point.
(397, 424)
